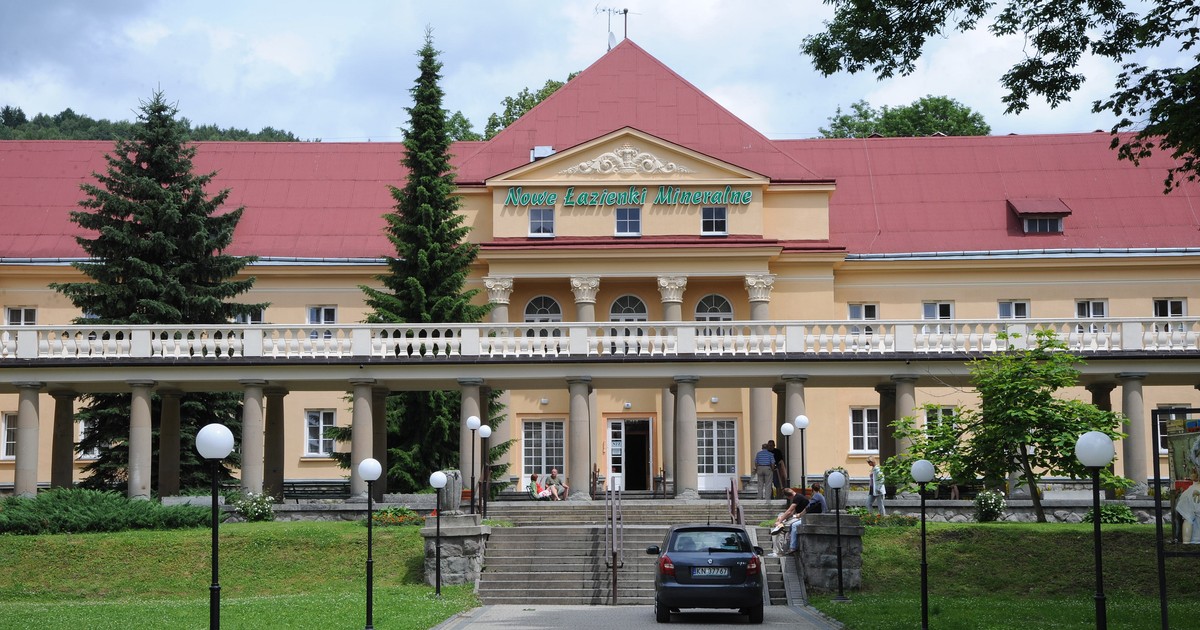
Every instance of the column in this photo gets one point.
(362, 430)
(671, 289)
(253, 438)
(906, 405)
(25, 476)
(468, 441)
(141, 458)
(687, 478)
(169, 443)
(887, 409)
(1102, 395)
(62, 451)
(794, 405)
(758, 287)
(379, 397)
(499, 290)
(274, 441)
(1136, 444)
(579, 438)
(585, 289)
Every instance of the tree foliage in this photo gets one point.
(460, 128)
(154, 257)
(1162, 104)
(424, 282)
(68, 125)
(926, 116)
(516, 106)
(1020, 424)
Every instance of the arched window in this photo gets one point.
(714, 308)
(628, 308)
(543, 309)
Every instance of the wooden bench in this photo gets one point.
(331, 489)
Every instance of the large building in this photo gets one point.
(848, 280)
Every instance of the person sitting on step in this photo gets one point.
(556, 484)
(539, 492)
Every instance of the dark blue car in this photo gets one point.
(708, 566)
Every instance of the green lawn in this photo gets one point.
(1015, 575)
(273, 575)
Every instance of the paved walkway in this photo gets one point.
(510, 617)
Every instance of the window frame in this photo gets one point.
(255, 318)
(864, 420)
(1042, 225)
(1162, 422)
(1091, 304)
(1014, 306)
(85, 427)
(708, 309)
(939, 307)
(24, 313)
(632, 224)
(8, 426)
(721, 449)
(320, 415)
(713, 225)
(327, 314)
(862, 312)
(539, 220)
(548, 449)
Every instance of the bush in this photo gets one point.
(989, 506)
(254, 506)
(75, 511)
(873, 519)
(397, 515)
(1112, 513)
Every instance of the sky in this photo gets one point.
(342, 71)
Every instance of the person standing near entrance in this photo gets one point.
(781, 476)
(764, 468)
(876, 489)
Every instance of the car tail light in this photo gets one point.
(665, 566)
(752, 566)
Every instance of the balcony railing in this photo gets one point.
(600, 339)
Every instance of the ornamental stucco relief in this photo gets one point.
(627, 160)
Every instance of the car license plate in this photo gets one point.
(710, 571)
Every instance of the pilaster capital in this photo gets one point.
(362, 381)
(470, 382)
(142, 383)
(671, 288)
(794, 378)
(1132, 376)
(499, 288)
(276, 390)
(905, 378)
(1101, 388)
(252, 382)
(686, 379)
(65, 395)
(170, 392)
(585, 288)
(759, 286)
(29, 384)
(575, 380)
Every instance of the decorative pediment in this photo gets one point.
(625, 160)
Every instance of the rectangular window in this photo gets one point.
(629, 221)
(864, 429)
(8, 429)
(85, 429)
(1051, 225)
(20, 316)
(319, 315)
(713, 222)
(1169, 307)
(254, 317)
(1091, 309)
(541, 221)
(937, 310)
(863, 312)
(1172, 412)
(1014, 309)
(938, 415)
(317, 441)
(716, 447)
(543, 448)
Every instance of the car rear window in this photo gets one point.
(703, 540)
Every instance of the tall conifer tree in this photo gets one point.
(154, 251)
(425, 281)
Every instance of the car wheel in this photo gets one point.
(662, 614)
(756, 614)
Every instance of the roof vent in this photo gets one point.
(539, 152)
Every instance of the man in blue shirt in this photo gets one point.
(764, 468)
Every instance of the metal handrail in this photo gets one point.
(614, 535)
(737, 515)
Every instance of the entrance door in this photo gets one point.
(629, 454)
(716, 453)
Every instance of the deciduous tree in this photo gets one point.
(925, 116)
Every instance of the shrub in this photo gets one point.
(1113, 513)
(254, 506)
(397, 515)
(989, 506)
(74, 511)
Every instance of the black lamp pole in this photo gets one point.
(803, 464)
(837, 502)
(1101, 613)
(787, 465)
(472, 471)
(370, 561)
(924, 568)
(214, 591)
(437, 554)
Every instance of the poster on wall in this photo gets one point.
(1183, 455)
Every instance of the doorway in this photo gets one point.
(629, 463)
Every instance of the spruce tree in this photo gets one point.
(154, 257)
(425, 281)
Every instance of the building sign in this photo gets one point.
(632, 196)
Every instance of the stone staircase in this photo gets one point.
(555, 552)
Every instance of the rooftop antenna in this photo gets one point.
(612, 40)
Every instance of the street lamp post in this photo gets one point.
(922, 473)
(214, 442)
(438, 481)
(837, 481)
(787, 429)
(473, 424)
(801, 422)
(370, 469)
(1094, 450)
(485, 468)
